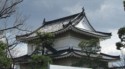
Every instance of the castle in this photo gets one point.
(69, 32)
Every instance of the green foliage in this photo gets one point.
(40, 58)
(40, 61)
(119, 45)
(46, 38)
(88, 43)
(124, 4)
(94, 63)
(5, 62)
(97, 62)
(121, 32)
(41, 41)
(89, 46)
(43, 38)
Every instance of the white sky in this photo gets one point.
(108, 46)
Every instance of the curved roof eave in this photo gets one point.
(85, 32)
(77, 53)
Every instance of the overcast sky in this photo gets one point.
(104, 15)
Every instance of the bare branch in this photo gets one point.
(7, 9)
(11, 27)
(4, 5)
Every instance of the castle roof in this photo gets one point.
(70, 52)
(61, 25)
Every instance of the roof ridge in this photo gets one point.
(62, 18)
(47, 22)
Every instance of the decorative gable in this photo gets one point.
(84, 24)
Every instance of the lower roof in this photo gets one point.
(70, 53)
(78, 53)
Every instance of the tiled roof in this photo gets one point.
(55, 24)
(83, 31)
(77, 53)
(71, 52)
(66, 23)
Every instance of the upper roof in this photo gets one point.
(69, 22)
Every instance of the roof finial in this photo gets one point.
(44, 21)
(70, 22)
(83, 9)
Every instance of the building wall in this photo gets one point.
(65, 61)
(17, 66)
(116, 63)
(70, 40)
(63, 42)
(25, 66)
(67, 41)
(69, 61)
(30, 48)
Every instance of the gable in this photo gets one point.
(84, 24)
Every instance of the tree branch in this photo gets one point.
(11, 27)
(6, 11)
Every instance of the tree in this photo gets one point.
(5, 62)
(7, 9)
(88, 47)
(121, 34)
(42, 40)
(39, 58)
(121, 45)
(40, 61)
(124, 4)
(9, 35)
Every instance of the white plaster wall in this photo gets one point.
(17, 66)
(116, 63)
(111, 64)
(84, 24)
(30, 48)
(60, 43)
(66, 42)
